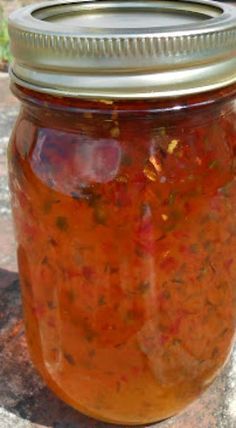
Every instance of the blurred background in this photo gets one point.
(6, 7)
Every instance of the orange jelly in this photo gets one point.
(125, 219)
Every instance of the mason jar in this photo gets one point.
(122, 168)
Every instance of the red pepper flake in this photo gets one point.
(140, 180)
(71, 274)
(228, 263)
(51, 323)
(110, 269)
(178, 234)
(136, 370)
(88, 273)
(107, 247)
(145, 248)
(164, 339)
(188, 208)
(174, 329)
(146, 227)
(39, 310)
(169, 263)
(145, 237)
(121, 195)
(183, 248)
(124, 378)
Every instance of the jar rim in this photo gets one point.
(70, 49)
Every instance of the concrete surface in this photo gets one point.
(25, 402)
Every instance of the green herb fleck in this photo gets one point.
(214, 164)
(51, 305)
(25, 145)
(194, 248)
(89, 334)
(62, 224)
(101, 301)
(126, 160)
(131, 315)
(71, 295)
(215, 353)
(191, 177)
(144, 287)
(177, 342)
(45, 261)
(92, 197)
(172, 198)
(208, 245)
(166, 294)
(69, 359)
(99, 214)
(177, 281)
(224, 332)
(225, 191)
(203, 270)
(47, 207)
(209, 303)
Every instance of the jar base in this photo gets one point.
(91, 414)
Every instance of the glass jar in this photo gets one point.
(124, 202)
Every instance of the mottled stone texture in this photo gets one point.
(25, 401)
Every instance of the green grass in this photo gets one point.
(5, 55)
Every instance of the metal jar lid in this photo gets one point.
(124, 49)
